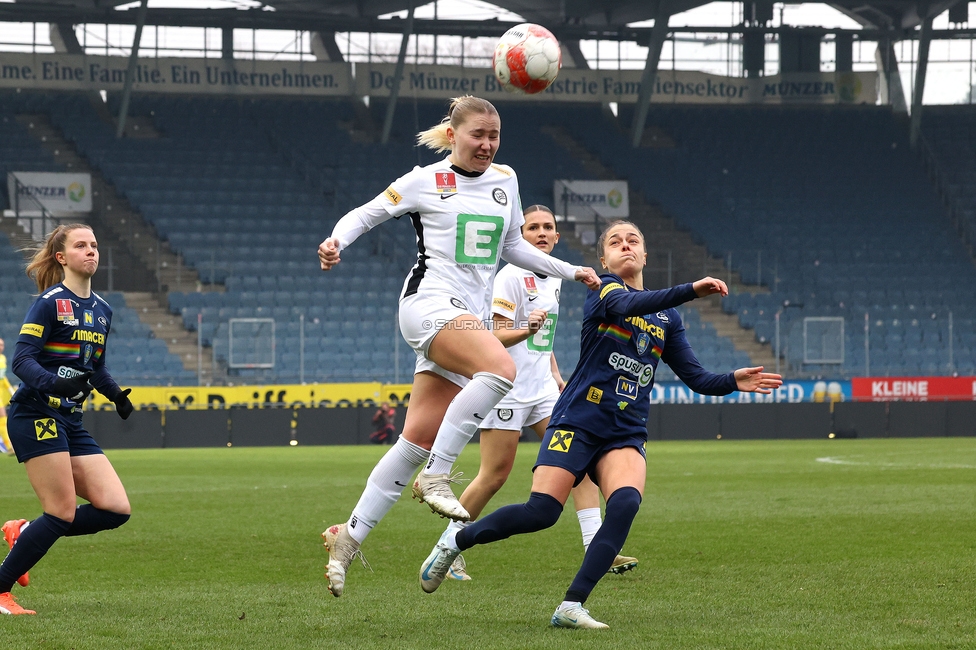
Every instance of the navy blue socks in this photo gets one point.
(31, 546)
(539, 512)
(38, 538)
(90, 520)
(622, 507)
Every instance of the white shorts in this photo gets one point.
(421, 317)
(513, 419)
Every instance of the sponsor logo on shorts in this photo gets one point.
(45, 429)
(33, 329)
(499, 195)
(594, 395)
(457, 303)
(504, 414)
(643, 372)
(393, 195)
(561, 440)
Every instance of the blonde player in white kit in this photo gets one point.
(525, 312)
(467, 216)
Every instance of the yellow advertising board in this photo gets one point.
(294, 396)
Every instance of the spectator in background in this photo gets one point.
(6, 391)
(385, 429)
(60, 348)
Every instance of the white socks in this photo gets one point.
(385, 485)
(463, 417)
(589, 521)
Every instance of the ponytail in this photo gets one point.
(460, 110)
(44, 269)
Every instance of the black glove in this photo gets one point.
(123, 405)
(77, 389)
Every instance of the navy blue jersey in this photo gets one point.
(63, 336)
(626, 333)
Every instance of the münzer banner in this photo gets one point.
(623, 86)
(321, 79)
(60, 194)
(583, 199)
(208, 76)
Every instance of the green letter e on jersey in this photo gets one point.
(542, 340)
(477, 239)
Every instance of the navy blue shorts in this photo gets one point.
(578, 451)
(38, 431)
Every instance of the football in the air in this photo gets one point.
(527, 59)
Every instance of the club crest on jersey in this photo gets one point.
(643, 340)
(88, 353)
(499, 195)
(446, 182)
(66, 312)
(89, 318)
(530, 286)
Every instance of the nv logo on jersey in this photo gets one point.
(89, 318)
(561, 440)
(477, 238)
(45, 429)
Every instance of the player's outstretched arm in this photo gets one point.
(710, 286)
(754, 380)
(589, 277)
(329, 253)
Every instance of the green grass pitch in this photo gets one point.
(815, 544)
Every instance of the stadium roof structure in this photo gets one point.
(568, 19)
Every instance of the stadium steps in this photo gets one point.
(689, 261)
(727, 325)
(19, 238)
(169, 329)
(141, 261)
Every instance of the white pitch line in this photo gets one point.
(834, 460)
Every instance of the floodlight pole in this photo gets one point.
(924, 40)
(397, 74)
(131, 72)
(658, 33)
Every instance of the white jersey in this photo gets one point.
(517, 293)
(465, 223)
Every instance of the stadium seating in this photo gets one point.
(832, 208)
(832, 199)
